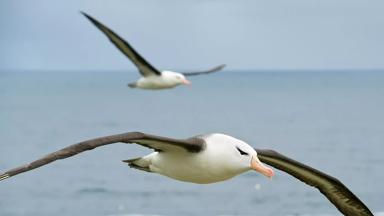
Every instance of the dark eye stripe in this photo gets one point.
(241, 151)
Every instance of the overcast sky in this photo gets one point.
(194, 34)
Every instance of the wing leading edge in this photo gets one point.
(157, 143)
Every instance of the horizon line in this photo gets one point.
(256, 70)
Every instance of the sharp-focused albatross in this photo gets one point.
(152, 78)
(207, 159)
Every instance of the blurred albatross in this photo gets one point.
(207, 159)
(152, 78)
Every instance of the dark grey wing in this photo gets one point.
(333, 189)
(217, 68)
(158, 143)
(144, 67)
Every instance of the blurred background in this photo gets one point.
(304, 77)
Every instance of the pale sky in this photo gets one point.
(194, 34)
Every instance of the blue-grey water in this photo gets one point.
(333, 121)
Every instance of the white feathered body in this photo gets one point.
(218, 162)
(167, 79)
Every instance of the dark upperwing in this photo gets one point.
(157, 143)
(332, 188)
(144, 67)
(214, 69)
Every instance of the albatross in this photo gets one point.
(152, 77)
(207, 159)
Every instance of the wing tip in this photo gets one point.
(218, 67)
(4, 176)
(85, 14)
(89, 18)
(222, 66)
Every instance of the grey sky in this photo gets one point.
(174, 34)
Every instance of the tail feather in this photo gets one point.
(138, 163)
(132, 85)
(128, 161)
(4, 176)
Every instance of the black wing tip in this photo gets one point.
(85, 14)
(4, 176)
(218, 67)
(93, 20)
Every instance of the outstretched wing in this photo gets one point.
(333, 189)
(157, 143)
(144, 67)
(217, 68)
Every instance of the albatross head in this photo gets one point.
(176, 78)
(239, 156)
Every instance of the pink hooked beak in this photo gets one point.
(261, 168)
(186, 82)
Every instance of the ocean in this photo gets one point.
(330, 120)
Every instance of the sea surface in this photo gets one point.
(331, 120)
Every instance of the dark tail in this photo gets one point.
(132, 85)
(138, 163)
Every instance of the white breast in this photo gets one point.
(156, 82)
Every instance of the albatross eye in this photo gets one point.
(241, 151)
